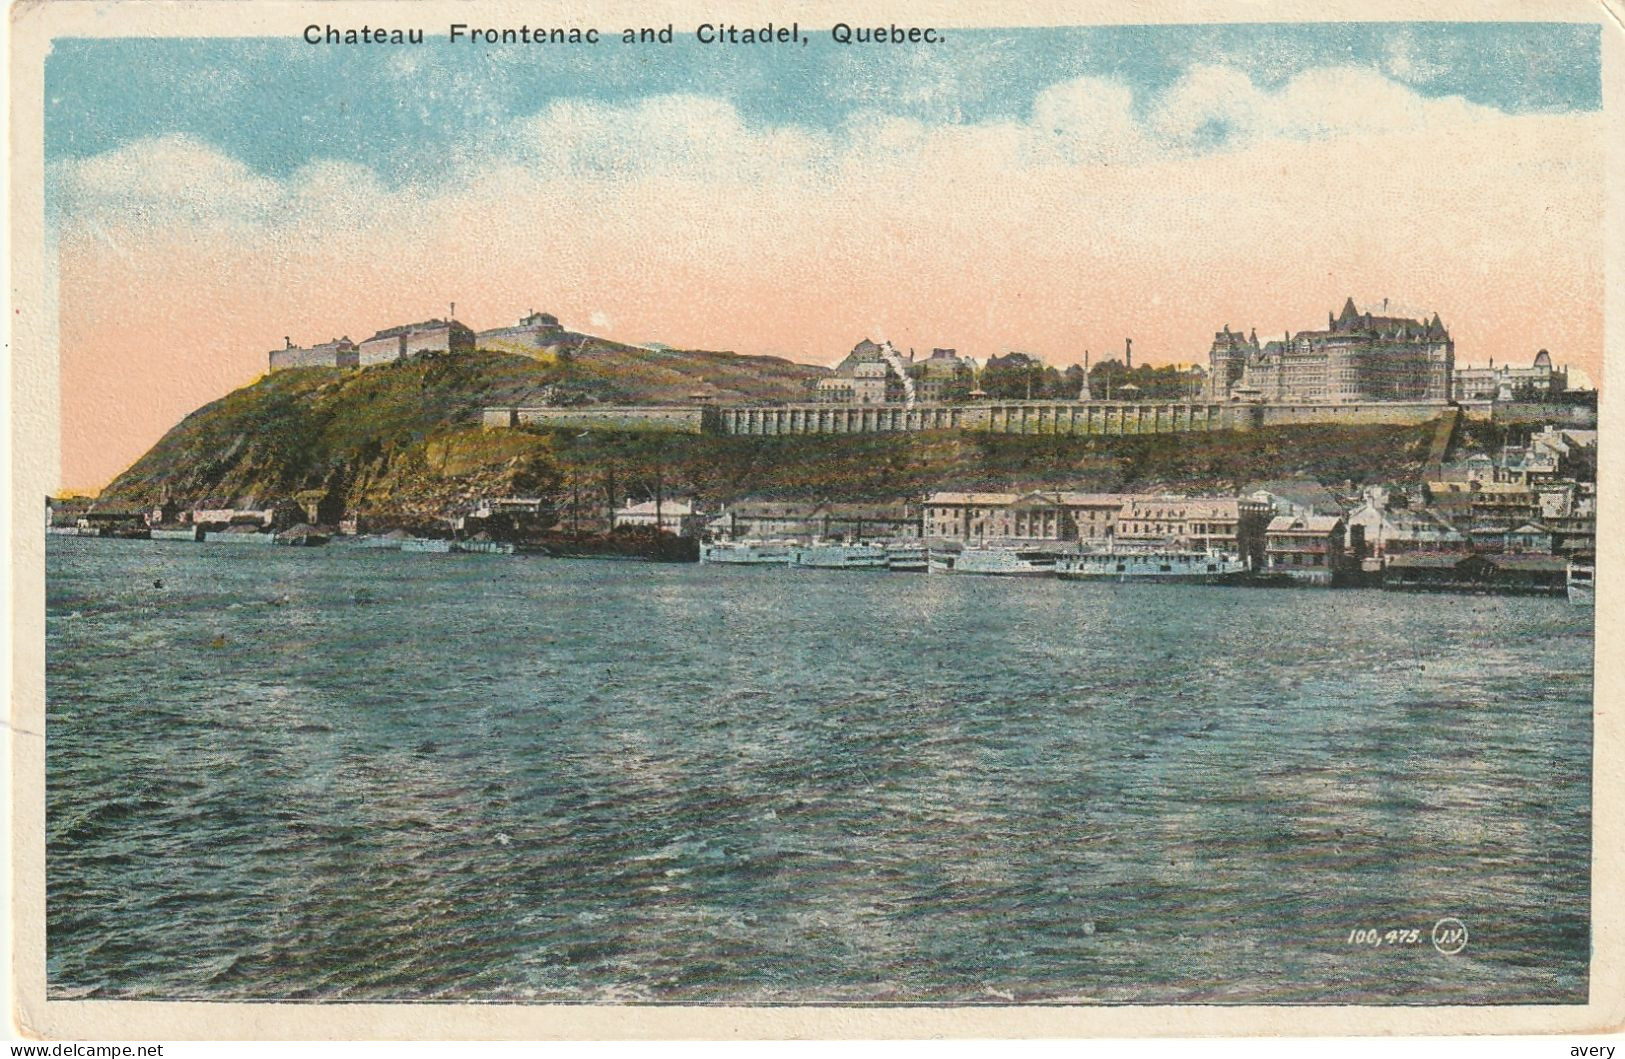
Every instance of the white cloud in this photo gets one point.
(695, 135)
(1316, 104)
(577, 146)
(1088, 119)
(167, 180)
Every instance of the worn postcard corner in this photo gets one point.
(655, 522)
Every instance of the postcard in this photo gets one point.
(672, 520)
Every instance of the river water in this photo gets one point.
(339, 774)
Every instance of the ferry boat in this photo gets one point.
(484, 547)
(234, 537)
(907, 556)
(746, 552)
(1199, 567)
(426, 544)
(995, 560)
(1582, 578)
(835, 556)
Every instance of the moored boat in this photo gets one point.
(995, 560)
(1200, 567)
(239, 535)
(303, 536)
(1582, 583)
(835, 556)
(746, 552)
(485, 547)
(426, 544)
(907, 557)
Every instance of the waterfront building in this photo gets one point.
(63, 512)
(1092, 517)
(1041, 515)
(1294, 496)
(1305, 548)
(1387, 532)
(1359, 357)
(1224, 523)
(861, 521)
(1538, 382)
(1231, 524)
(429, 336)
(766, 520)
(280, 515)
(109, 519)
(679, 516)
(1529, 537)
(1061, 515)
(1573, 534)
(1503, 505)
(967, 516)
(1512, 574)
(165, 513)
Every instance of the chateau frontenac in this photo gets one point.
(1359, 357)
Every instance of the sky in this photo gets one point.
(1048, 190)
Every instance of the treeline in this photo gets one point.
(1019, 376)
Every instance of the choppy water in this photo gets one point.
(473, 777)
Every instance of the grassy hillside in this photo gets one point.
(409, 432)
(907, 466)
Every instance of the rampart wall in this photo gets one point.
(282, 359)
(1391, 413)
(1110, 418)
(680, 419)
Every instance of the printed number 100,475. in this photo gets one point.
(1362, 936)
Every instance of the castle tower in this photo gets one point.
(1227, 361)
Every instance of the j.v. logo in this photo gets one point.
(1449, 936)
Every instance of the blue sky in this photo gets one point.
(278, 104)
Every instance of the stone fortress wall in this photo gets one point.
(1112, 418)
(677, 419)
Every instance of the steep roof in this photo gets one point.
(856, 510)
(1304, 492)
(773, 509)
(671, 505)
(1319, 525)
